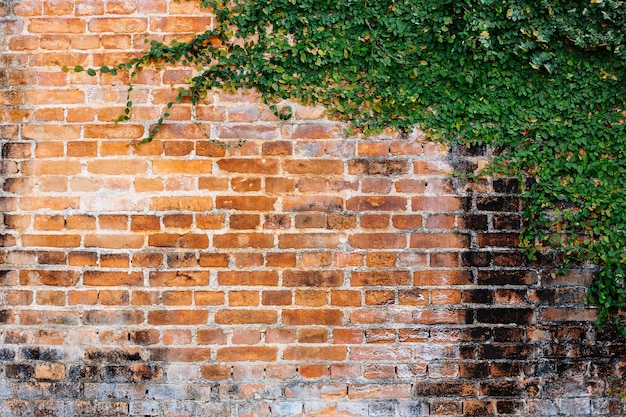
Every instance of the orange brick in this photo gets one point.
(254, 316)
(311, 298)
(215, 372)
(45, 222)
(214, 260)
(243, 240)
(253, 166)
(315, 353)
(439, 240)
(181, 167)
(243, 298)
(49, 97)
(176, 298)
(345, 298)
(247, 353)
(209, 298)
(113, 297)
(83, 258)
(86, 297)
(178, 279)
(50, 297)
(189, 240)
(48, 115)
(375, 221)
(82, 148)
(182, 203)
(56, 25)
(313, 371)
(47, 150)
(257, 278)
(41, 167)
(114, 241)
(100, 278)
(114, 260)
(256, 203)
(377, 241)
(50, 372)
(118, 25)
(177, 317)
(180, 24)
(117, 167)
(56, 241)
(281, 259)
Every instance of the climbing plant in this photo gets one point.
(542, 81)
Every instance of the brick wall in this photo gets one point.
(296, 271)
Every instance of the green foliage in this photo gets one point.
(541, 80)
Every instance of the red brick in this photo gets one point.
(283, 297)
(377, 241)
(215, 372)
(47, 317)
(436, 204)
(439, 240)
(188, 240)
(247, 354)
(377, 203)
(381, 259)
(380, 278)
(442, 277)
(375, 221)
(312, 316)
(312, 278)
(345, 298)
(312, 203)
(244, 221)
(172, 354)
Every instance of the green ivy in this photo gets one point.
(540, 80)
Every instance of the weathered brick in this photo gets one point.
(256, 316)
(312, 278)
(177, 317)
